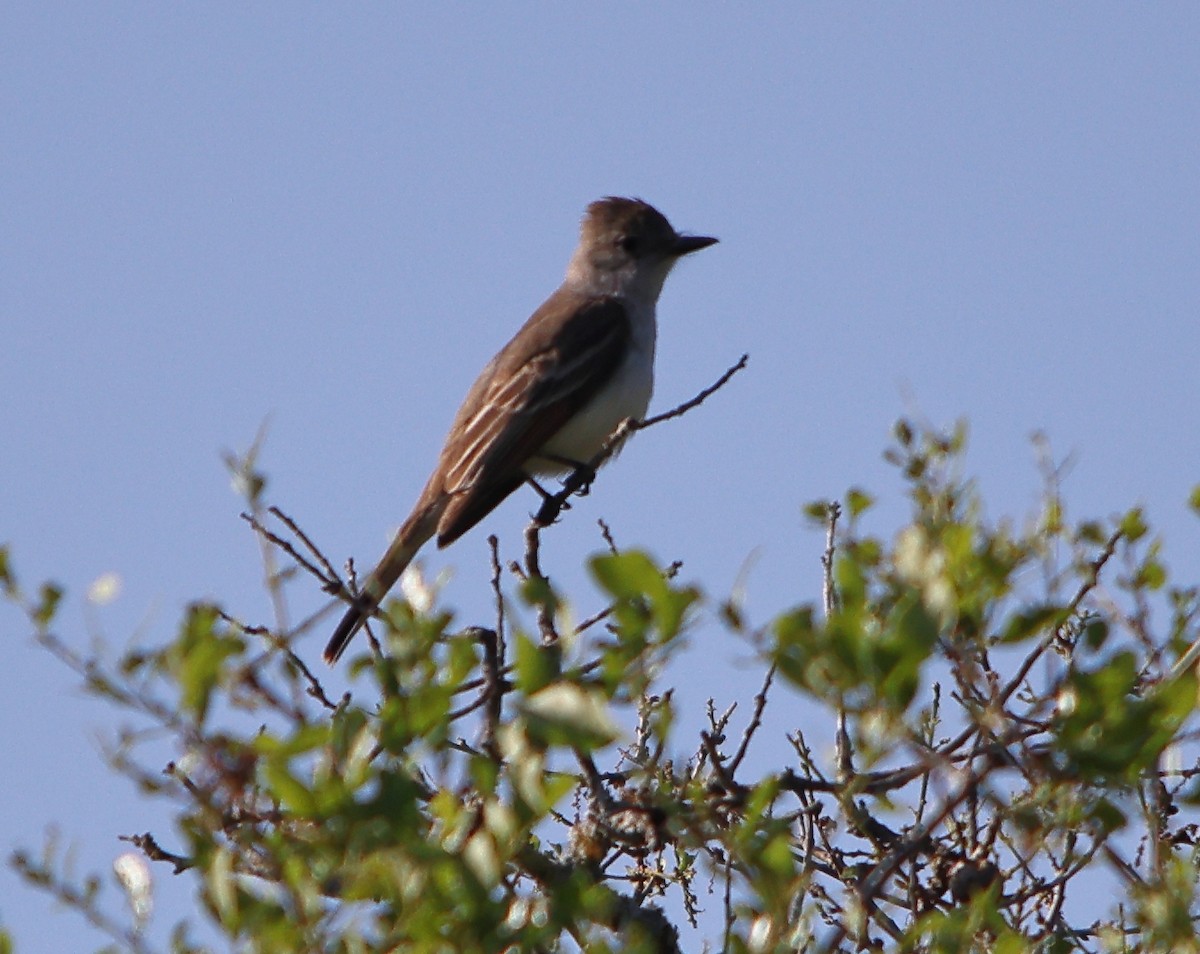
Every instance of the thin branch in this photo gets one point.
(698, 399)
(304, 538)
(1048, 640)
(917, 841)
(494, 650)
(494, 686)
(152, 850)
(829, 591)
(760, 703)
(279, 643)
(331, 584)
(843, 747)
(581, 478)
(533, 573)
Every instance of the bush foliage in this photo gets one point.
(1015, 764)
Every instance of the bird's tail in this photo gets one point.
(417, 529)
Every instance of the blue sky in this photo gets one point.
(328, 218)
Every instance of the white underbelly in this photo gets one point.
(627, 394)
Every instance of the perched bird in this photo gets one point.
(545, 404)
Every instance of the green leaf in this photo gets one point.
(49, 597)
(1152, 575)
(855, 657)
(1033, 621)
(641, 589)
(858, 501)
(817, 511)
(537, 591)
(626, 575)
(198, 657)
(463, 655)
(1095, 633)
(1110, 732)
(795, 640)
(291, 793)
(1110, 817)
(569, 714)
(866, 551)
(851, 581)
(396, 729)
(7, 581)
(305, 739)
(897, 657)
(1133, 525)
(778, 856)
(536, 665)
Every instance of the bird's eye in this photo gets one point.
(629, 243)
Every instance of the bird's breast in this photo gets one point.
(626, 394)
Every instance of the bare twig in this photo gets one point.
(829, 591)
(281, 645)
(152, 850)
(845, 751)
(582, 476)
(304, 538)
(606, 532)
(699, 398)
(760, 704)
(1048, 640)
(534, 574)
(331, 584)
(494, 685)
(917, 841)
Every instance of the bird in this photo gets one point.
(551, 397)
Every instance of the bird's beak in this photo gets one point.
(686, 244)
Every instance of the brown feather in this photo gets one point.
(519, 403)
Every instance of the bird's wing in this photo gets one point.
(548, 372)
